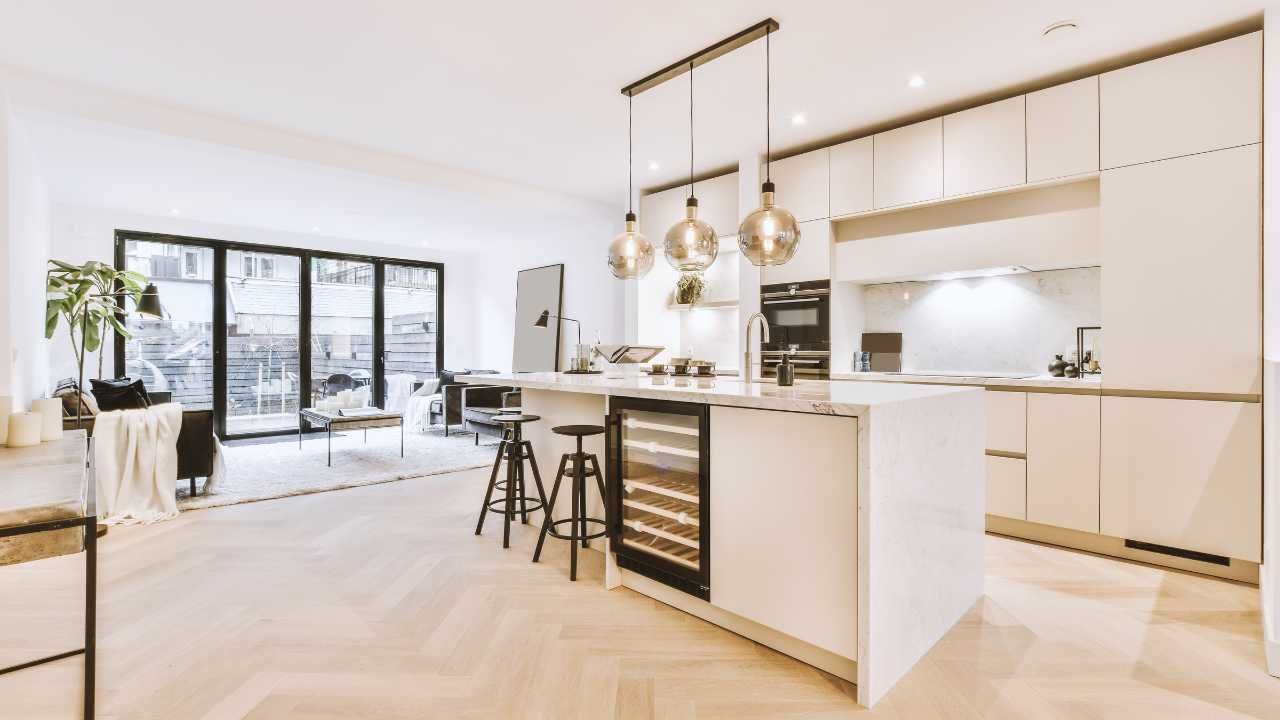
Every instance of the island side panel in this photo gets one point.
(563, 408)
(922, 497)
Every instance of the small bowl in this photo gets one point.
(679, 369)
(706, 370)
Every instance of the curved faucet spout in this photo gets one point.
(747, 365)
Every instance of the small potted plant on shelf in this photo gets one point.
(689, 288)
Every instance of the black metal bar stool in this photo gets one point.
(577, 519)
(516, 450)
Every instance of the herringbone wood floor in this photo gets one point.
(378, 602)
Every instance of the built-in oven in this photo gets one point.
(799, 316)
(658, 473)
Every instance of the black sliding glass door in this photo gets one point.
(256, 332)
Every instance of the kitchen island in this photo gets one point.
(840, 523)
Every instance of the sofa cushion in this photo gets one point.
(120, 394)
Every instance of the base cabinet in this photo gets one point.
(1062, 460)
(1007, 487)
(1183, 473)
(784, 523)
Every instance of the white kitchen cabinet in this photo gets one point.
(812, 260)
(1181, 285)
(1007, 487)
(1006, 421)
(1062, 130)
(985, 148)
(659, 211)
(784, 523)
(908, 164)
(1062, 460)
(1203, 99)
(802, 184)
(852, 168)
(1183, 473)
(718, 204)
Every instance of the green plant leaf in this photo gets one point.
(92, 337)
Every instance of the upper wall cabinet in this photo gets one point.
(718, 203)
(802, 184)
(985, 147)
(908, 164)
(1203, 99)
(812, 260)
(851, 173)
(1181, 287)
(1062, 130)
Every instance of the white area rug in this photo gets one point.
(261, 470)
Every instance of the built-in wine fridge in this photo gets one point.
(658, 471)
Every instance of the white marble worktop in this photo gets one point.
(811, 396)
(1091, 382)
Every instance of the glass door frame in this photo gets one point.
(220, 248)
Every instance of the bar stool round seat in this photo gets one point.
(515, 450)
(575, 465)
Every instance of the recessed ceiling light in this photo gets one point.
(1067, 26)
(797, 119)
(916, 81)
(175, 211)
(654, 166)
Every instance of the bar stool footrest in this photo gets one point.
(531, 504)
(551, 530)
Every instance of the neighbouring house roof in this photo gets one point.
(274, 297)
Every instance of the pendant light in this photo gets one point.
(630, 253)
(768, 235)
(691, 244)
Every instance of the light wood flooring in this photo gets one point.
(378, 602)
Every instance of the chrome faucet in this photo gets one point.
(764, 337)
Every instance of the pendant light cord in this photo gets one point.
(691, 129)
(630, 190)
(768, 150)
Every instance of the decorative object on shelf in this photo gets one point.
(768, 235)
(24, 429)
(6, 409)
(92, 297)
(50, 412)
(630, 253)
(689, 288)
(691, 245)
(1071, 371)
(1088, 353)
(1058, 367)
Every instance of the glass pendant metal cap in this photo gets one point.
(630, 253)
(769, 235)
(691, 244)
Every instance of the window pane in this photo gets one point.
(410, 330)
(341, 329)
(262, 348)
(174, 354)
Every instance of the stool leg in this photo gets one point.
(575, 492)
(546, 516)
(537, 478)
(524, 507)
(582, 498)
(510, 506)
(493, 479)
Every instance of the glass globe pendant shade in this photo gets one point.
(769, 235)
(691, 245)
(630, 253)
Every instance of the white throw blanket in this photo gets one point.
(135, 457)
(417, 411)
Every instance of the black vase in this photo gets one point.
(1058, 367)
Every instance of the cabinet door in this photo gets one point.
(908, 164)
(784, 523)
(718, 204)
(1007, 487)
(802, 184)
(1062, 460)
(1062, 130)
(659, 211)
(985, 147)
(851, 171)
(1181, 281)
(1183, 473)
(1204, 99)
(1006, 421)
(812, 260)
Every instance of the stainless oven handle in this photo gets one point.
(798, 293)
(769, 301)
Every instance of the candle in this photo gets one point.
(344, 399)
(6, 408)
(50, 412)
(24, 429)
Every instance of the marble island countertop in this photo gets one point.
(809, 396)
(992, 379)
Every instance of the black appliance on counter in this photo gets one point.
(658, 472)
(799, 316)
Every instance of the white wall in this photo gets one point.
(1271, 338)
(26, 225)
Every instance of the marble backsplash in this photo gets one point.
(1008, 323)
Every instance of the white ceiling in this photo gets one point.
(529, 91)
